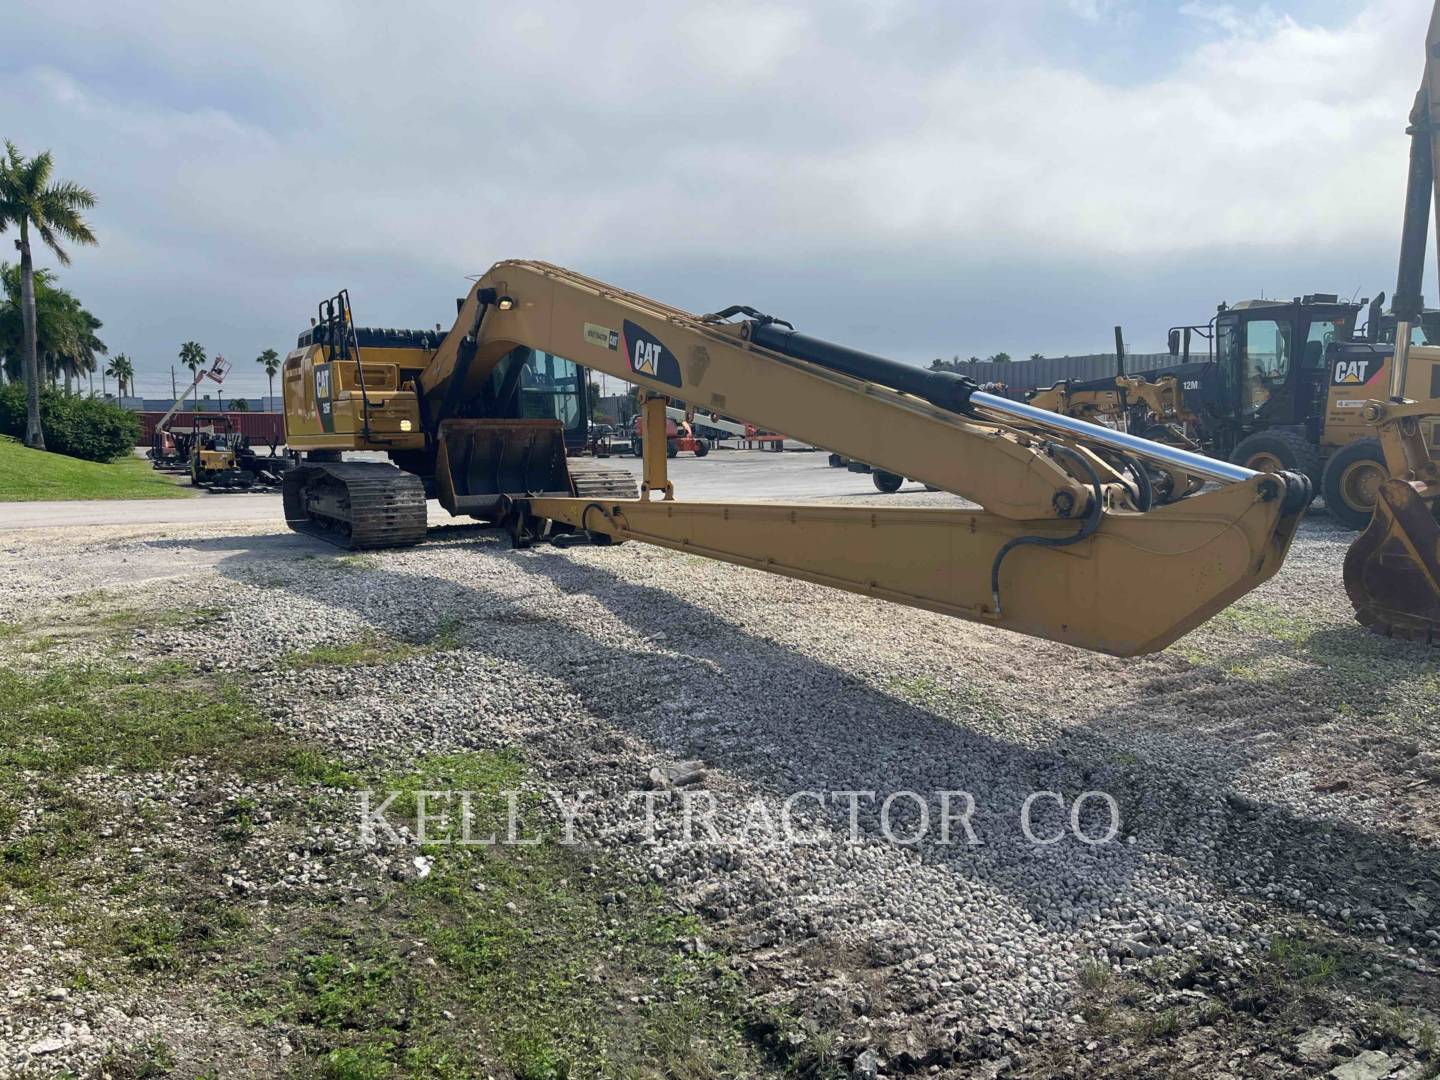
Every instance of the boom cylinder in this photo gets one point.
(958, 394)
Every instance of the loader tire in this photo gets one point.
(1281, 451)
(671, 448)
(702, 447)
(886, 482)
(1353, 476)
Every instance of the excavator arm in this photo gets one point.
(1060, 546)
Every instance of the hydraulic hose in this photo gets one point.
(1087, 527)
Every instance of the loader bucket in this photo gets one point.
(1392, 571)
(479, 461)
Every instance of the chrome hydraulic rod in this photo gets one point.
(1185, 460)
(958, 394)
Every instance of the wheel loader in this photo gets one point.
(1392, 571)
(1067, 546)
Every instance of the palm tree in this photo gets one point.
(78, 357)
(1037, 356)
(270, 361)
(123, 372)
(28, 199)
(65, 341)
(192, 355)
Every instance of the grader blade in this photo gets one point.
(1392, 572)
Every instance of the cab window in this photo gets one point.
(1322, 333)
(1267, 360)
(550, 389)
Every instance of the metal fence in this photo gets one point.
(263, 428)
(1020, 375)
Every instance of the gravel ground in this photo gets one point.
(1275, 776)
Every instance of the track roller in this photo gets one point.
(355, 505)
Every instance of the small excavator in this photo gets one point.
(1066, 542)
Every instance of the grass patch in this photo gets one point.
(549, 964)
(368, 651)
(71, 717)
(1310, 964)
(1272, 621)
(374, 650)
(356, 562)
(142, 1061)
(29, 475)
(929, 693)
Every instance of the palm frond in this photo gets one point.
(35, 173)
(69, 194)
(47, 235)
(61, 216)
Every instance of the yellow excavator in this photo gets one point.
(1070, 544)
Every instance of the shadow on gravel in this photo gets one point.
(699, 685)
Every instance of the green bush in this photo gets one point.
(76, 426)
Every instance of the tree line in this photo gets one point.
(953, 364)
(47, 337)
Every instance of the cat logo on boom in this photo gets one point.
(648, 355)
(1351, 372)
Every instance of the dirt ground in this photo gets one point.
(195, 714)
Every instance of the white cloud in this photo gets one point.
(256, 148)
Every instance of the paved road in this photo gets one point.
(726, 475)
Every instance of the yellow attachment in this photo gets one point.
(1100, 593)
(1392, 572)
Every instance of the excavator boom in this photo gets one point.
(1060, 550)
(1062, 542)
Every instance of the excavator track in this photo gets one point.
(592, 480)
(355, 505)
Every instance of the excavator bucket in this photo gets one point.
(478, 461)
(1392, 572)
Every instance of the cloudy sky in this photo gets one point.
(916, 178)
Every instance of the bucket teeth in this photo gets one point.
(1392, 571)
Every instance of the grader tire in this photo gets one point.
(886, 482)
(1353, 476)
(1281, 451)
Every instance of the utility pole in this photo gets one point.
(174, 390)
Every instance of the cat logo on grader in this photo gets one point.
(1351, 372)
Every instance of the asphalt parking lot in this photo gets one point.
(745, 475)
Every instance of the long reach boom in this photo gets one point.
(1063, 542)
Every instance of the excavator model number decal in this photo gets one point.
(648, 356)
(601, 336)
